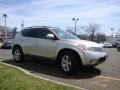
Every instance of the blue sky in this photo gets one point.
(59, 13)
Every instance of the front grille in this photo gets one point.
(99, 49)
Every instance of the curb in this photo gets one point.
(0, 44)
(57, 82)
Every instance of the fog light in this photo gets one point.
(92, 62)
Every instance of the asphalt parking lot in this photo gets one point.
(104, 76)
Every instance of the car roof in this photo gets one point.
(48, 27)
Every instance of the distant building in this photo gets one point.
(117, 38)
(114, 39)
(2, 35)
(110, 39)
(97, 38)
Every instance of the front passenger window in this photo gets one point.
(43, 32)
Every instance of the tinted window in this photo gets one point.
(29, 33)
(42, 33)
(24, 32)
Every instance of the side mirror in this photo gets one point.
(50, 36)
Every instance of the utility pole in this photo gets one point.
(75, 20)
(22, 25)
(112, 29)
(5, 16)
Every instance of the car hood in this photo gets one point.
(86, 43)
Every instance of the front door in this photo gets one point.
(45, 47)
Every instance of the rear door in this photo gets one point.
(29, 41)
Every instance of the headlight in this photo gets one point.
(82, 46)
(91, 49)
(94, 49)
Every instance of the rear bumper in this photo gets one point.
(7, 45)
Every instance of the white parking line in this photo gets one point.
(105, 77)
(25, 71)
(5, 58)
(111, 78)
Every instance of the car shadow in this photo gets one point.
(5, 48)
(52, 69)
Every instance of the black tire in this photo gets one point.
(73, 66)
(20, 57)
(118, 49)
(3, 47)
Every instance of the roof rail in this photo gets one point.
(36, 27)
(50, 27)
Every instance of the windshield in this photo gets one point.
(64, 34)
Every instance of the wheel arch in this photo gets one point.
(67, 49)
(15, 47)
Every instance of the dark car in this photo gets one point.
(118, 47)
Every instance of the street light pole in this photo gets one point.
(112, 29)
(22, 25)
(5, 16)
(75, 20)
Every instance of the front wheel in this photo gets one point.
(18, 54)
(70, 62)
(118, 48)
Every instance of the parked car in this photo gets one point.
(107, 45)
(66, 49)
(102, 44)
(7, 43)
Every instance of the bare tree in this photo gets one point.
(71, 29)
(101, 37)
(91, 29)
(2, 29)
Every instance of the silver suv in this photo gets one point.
(55, 44)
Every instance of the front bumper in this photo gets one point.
(95, 58)
(100, 60)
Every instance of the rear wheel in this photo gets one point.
(18, 54)
(70, 62)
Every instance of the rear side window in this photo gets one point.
(29, 33)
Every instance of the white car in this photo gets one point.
(55, 44)
(107, 45)
(7, 43)
(102, 44)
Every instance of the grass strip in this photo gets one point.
(14, 79)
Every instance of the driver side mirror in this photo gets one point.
(50, 36)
